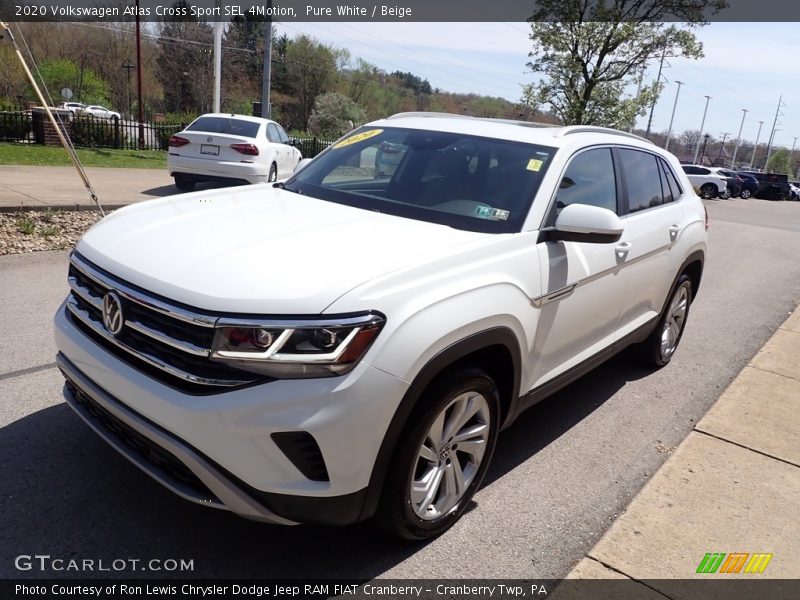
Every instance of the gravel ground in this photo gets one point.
(31, 231)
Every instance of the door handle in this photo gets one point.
(674, 230)
(622, 249)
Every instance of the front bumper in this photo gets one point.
(223, 441)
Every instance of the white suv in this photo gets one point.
(347, 343)
(707, 180)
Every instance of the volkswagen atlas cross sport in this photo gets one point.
(347, 343)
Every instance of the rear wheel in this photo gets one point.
(660, 346)
(708, 190)
(184, 184)
(746, 194)
(442, 456)
(273, 173)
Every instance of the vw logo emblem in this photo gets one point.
(113, 319)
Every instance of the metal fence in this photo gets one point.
(88, 131)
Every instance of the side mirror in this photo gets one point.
(585, 223)
(301, 165)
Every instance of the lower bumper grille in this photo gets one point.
(165, 461)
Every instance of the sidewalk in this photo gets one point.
(733, 485)
(37, 188)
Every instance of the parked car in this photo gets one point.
(794, 190)
(73, 107)
(101, 112)
(708, 183)
(750, 185)
(771, 186)
(339, 346)
(734, 182)
(228, 147)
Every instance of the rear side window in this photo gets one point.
(669, 184)
(272, 134)
(642, 179)
(225, 125)
(589, 179)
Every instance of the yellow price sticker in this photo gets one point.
(359, 137)
(534, 164)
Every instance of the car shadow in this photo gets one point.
(171, 190)
(67, 494)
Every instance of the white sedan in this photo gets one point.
(101, 112)
(227, 147)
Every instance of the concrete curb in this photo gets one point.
(732, 486)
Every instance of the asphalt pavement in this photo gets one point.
(561, 475)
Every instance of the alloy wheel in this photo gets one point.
(676, 319)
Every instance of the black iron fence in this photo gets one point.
(89, 131)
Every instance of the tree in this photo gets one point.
(780, 161)
(87, 86)
(334, 115)
(588, 53)
(310, 71)
(689, 139)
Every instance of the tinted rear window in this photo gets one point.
(225, 125)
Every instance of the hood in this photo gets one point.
(258, 249)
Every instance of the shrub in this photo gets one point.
(91, 132)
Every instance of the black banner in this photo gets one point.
(389, 10)
(397, 589)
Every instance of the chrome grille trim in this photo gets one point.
(183, 346)
(84, 317)
(128, 293)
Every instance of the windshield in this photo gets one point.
(468, 182)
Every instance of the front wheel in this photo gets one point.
(725, 194)
(658, 349)
(745, 194)
(442, 457)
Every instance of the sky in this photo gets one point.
(746, 66)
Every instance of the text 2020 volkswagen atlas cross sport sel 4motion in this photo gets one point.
(348, 343)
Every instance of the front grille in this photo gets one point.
(164, 460)
(168, 341)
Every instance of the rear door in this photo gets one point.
(282, 150)
(654, 222)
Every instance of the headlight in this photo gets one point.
(296, 348)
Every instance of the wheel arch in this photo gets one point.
(496, 349)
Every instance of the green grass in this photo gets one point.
(23, 154)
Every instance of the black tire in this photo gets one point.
(652, 350)
(725, 194)
(708, 191)
(273, 173)
(745, 194)
(184, 184)
(396, 513)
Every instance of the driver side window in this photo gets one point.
(589, 179)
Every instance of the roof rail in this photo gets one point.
(570, 129)
(439, 115)
(517, 122)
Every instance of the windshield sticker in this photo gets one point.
(534, 164)
(359, 137)
(487, 212)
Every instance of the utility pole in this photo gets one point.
(755, 146)
(738, 137)
(705, 141)
(266, 82)
(638, 91)
(672, 118)
(139, 76)
(774, 124)
(702, 124)
(769, 148)
(658, 81)
(128, 66)
(722, 147)
(217, 61)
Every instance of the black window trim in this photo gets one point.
(624, 191)
(548, 219)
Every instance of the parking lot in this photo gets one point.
(560, 476)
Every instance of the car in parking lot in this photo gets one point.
(709, 184)
(73, 107)
(771, 186)
(100, 112)
(749, 184)
(734, 182)
(794, 190)
(340, 346)
(230, 147)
